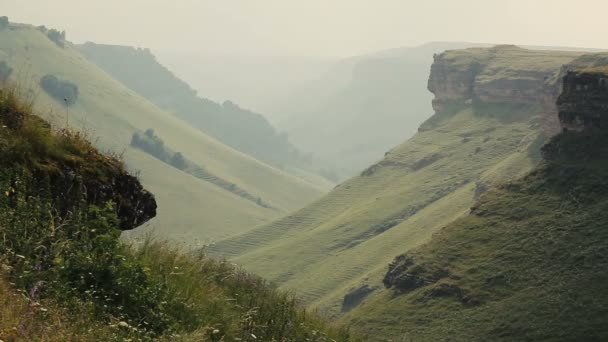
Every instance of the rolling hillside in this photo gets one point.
(476, 139)
(529, 261)
(236, 127)
(110, 113)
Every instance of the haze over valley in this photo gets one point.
(303, 171)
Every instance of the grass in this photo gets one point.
(112, 113)
(69, 276)
(532, 256)
(347, 238)
(501, 61)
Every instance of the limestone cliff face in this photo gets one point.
(503, 74)
(72, 185)
(67, 170)
(583, 100)
(452, 81)
(583, 104)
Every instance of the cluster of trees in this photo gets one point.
(56, 36)
(60, 90)
(5, 71)
(4, 22)
(155, 146)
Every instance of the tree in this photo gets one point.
(178, 161)
(149, 133)
(4, 22)
(60, 90)
(136, 140)
(57, 36)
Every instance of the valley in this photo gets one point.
(201, 190)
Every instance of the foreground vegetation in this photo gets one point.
(67, 276)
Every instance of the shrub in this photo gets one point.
(60, 90)
(58, 37)
(178, 161)
(151, 144)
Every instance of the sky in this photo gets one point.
(316, 28)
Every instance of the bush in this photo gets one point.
(60, 90)
(178, 161)
(151, 144)
(4, 22)
(58, 37)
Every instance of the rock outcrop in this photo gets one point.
(68, 170)
(134, 205)
(355, 296)
(405, 274)
(502, 75)
(583, 104)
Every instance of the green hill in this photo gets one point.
(484, 132)
(190, 208)
(65, 275)
(529, 261)
(527, 265)
(241, 129)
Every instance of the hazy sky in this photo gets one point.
(317, 27)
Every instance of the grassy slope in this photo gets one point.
(533, 255)
(112, 112)
(65, 275)
(239, 128)
(330, 246)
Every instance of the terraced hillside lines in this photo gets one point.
(184, 198)
(302, 220)
(111, 113)
(350, 235)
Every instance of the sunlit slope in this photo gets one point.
(111, 113)
(353, 232)
(528, 264)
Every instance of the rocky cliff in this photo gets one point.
(502, 75)
(65, 168)
(583, 103)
